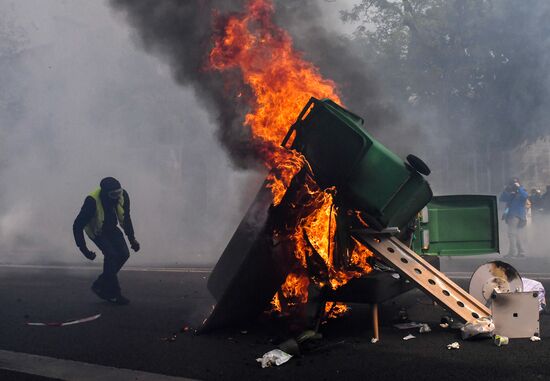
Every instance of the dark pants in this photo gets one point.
(116, 253)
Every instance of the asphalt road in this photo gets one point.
(145, 335)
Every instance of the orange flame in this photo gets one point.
(282, 82)
(280, 79)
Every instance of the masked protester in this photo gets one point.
(515, 197)
(104, 209)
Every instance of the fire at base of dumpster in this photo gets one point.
(337, 205)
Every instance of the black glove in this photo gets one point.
(134, 244)
(87, 253)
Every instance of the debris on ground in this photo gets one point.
(425, 328)
(535, 338)
(290, 346)
(454, 345)
(409, 337)
(501, 340)
(274, 357)
(409, 325)
(66, 323)
(244, 332)
(170, 338)
(478, 329)
(185, 329)
(444, 325)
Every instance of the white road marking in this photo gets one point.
(69, 370)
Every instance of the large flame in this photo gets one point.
(282, 82)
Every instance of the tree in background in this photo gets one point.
(479, 67)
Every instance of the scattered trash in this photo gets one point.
(447, 320)
(454, 345)
(274, 357)
(169, 339)
(185, 329)
(479, 328)
(409, 325)
(501, 340)
(374, 340)
(402, 315)
(309, 335)
(244, 332)
(290, 346)
(444, 325)
(425, 328)
(456, 326)
(409, 336)
(534, 338)
(66, 323)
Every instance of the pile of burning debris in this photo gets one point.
(295, 245)
(307, 243)
(333, 222)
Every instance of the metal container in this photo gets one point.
(368, 176)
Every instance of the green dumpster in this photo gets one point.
(368, 176)
(458, 225)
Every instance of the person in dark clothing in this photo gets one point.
(515, 197)
(104, 209)
(536, 200)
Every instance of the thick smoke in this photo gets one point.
(80, 102)
(181, 32)
(338, 58)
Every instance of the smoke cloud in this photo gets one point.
(119, 88)
(80, 102)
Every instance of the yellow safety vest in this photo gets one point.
(94, 227)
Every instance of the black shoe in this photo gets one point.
(97, 290)
(119, 300)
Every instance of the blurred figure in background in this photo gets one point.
(515, 196)
(545, 202)
(536, 200)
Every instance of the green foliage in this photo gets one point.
(480, 65)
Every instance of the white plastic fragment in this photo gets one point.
(425, 328)
(444, 325)
(274, 357)
(409, 336)
(534, 338)
(454, 345)
(478, 328)
(374, 340)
